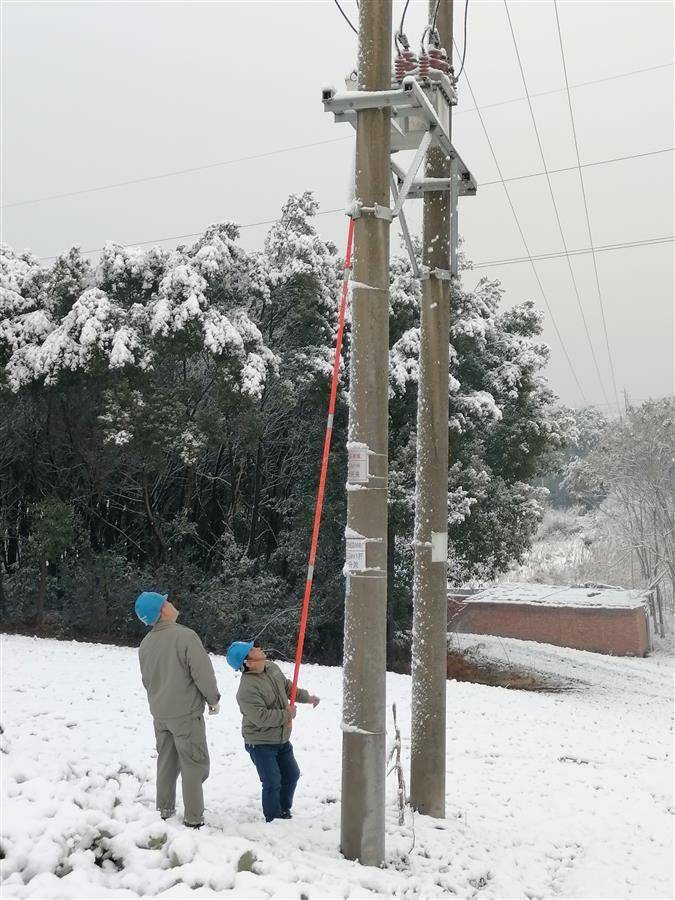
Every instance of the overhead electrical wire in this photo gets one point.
(345, 17)
(178, 237)
(227, 162)
(588, 219)
(580, 84)
(559, 254)
(405, 10)
(555, 205)
(555, 254)
(435, 17)
(589, 165)
(466, 14)
(523, 239)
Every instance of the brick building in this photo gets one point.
(597, 618)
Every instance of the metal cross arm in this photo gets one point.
(414, 120)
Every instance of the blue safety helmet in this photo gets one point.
(148, 606)
(237, 653)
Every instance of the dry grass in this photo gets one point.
(464, 665)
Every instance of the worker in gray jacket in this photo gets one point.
(179, 679)
(267, 720)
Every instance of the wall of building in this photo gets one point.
(621, 632)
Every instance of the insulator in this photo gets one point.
(404, 64)
(438, 59)
(424, 64)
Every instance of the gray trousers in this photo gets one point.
(182, 750)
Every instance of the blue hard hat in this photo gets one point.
(148, 606)
(237, 653)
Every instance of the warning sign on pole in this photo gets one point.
(357, 471)
(356, 554)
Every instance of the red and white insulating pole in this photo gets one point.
(324, 462)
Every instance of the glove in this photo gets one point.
(314, 700)
(214, 710)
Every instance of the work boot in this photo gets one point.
(167, 813)
(285, 814)
(193, 824)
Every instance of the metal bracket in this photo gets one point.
(440, 274)
(454, 217)
(425, 143)
(380, 212)
(404, 229)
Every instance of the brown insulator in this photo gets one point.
(438, 59)
(404, 64)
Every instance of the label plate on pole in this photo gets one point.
(358, 469)
(439, 546)
(356, 554)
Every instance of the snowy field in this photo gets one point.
(563, 794)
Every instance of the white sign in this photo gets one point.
(357, 471)
(439, 546)
(356, 554)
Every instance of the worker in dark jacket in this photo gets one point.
(267, 720)
(179, 679)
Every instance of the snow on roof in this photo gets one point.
(589, 595)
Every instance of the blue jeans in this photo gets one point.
(278, 772)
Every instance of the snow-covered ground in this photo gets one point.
(564, 794)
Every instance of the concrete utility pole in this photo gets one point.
(430, 605)
(364, 710)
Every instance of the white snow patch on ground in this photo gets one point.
(565, 794)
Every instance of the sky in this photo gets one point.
(96, 93)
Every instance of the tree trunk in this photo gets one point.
(152, 520)
(255, 511)
(41, 594)
(659, 606)
(3, 597)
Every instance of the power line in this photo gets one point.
(178, 237)
(588, 220)
(522, 237)
(345, 17)
(226, 162)
(555, 254)
(433, 21)
(559, 254)
(555, 205)
(405, 10)
(632, 72)
(466, 14)
(590, 165)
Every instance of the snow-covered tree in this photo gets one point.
(505, 424)
(629, 477)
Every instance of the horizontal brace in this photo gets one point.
(359, 100)
(420, 188)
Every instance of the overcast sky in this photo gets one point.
(97, 93)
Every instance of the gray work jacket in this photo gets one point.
(177, 672)
(263, 701)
